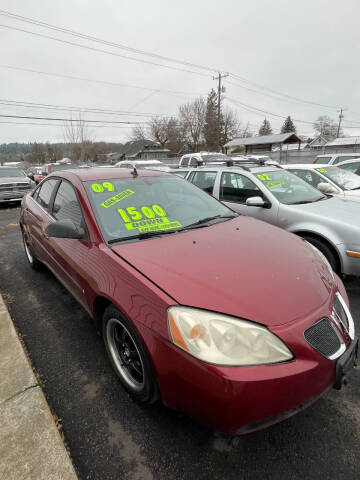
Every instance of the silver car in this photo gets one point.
(279, 197)
(329, 179)
(14, 184)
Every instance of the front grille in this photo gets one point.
(323, 337)
(15, 187)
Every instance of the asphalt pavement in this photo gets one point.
(112, 437)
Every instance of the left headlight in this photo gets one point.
(222, 340)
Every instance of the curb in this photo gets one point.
(30, 443)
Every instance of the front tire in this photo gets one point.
(128, 356)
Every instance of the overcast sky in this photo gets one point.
(308, 50)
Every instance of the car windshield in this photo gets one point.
(288, 188)
(54, 168)
(127, 207)
(342, 178)
(11, 172)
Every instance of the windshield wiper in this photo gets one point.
(203, 222)
(143, 235)
(351, 189)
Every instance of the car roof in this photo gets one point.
(310, 166)
(98, 173)
(331, 154)
(235, 168)
(349, 162)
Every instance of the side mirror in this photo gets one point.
(64, 229)
(325, 187)
(255, 202)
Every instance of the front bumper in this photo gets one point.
(13, 195)
(239, 400)
(350, 260)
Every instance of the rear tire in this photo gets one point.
(327, 251)
(128, 356)
(33, 261)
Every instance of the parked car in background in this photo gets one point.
(351, 166)
(139, 164)
(14, 184)
(34, 170)
(275, 195)
(335, 158)
(48, 168)
(194, 159)
(233, 321)
(329, 179)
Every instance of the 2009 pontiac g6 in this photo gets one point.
(231, 320)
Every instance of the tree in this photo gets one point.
(158, 128)
(53, 153)
(77, 133)
(38, 154)
(139, 132)
(324, 125)
(176, 133)
(265, 128)
(230, 126)
(288, 126)
(192, 116)
(210, 130)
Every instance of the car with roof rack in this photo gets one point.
(335, 158)
(193, 159)
(269, 192)
(329, 179)
(154, 261)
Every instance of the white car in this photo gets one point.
(329, 179)
(139, 164)
(335, 158)
(350, 165)
(195, 159)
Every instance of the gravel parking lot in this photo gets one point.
(112, 437)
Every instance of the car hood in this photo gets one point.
(14, 180)
(337, 209)
(353, 195)
(241, 267)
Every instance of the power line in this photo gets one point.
(73, 120)
(67, 42)
(103, 111)
(60, 124)
(104, 42)
(103, 82)
(92, 38)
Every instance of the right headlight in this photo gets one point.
(222, 340)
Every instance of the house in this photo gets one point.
(342, 144)
(143, 150)
(319, 142)
(265, 143)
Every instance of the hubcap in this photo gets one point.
(125, 354)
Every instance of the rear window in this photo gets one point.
(55, 168)
(343, 158)
(11, 172)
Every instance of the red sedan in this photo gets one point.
(234, 321)
(48, 168)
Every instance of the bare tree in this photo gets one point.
(139, 132)
(230, 126)
(158, 128)
(325, 125)
(192, 115)
(176, 132)
(76, 132)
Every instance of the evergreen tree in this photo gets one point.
(210, 130)
(265, 128)
(288, 126)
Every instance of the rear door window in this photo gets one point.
(43, 195)
(204, 180)
(238, 188)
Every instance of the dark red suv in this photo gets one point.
(234, 321)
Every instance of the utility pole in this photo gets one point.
(341, 116)
(219, 78)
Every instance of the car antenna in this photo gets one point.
(134, 172)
